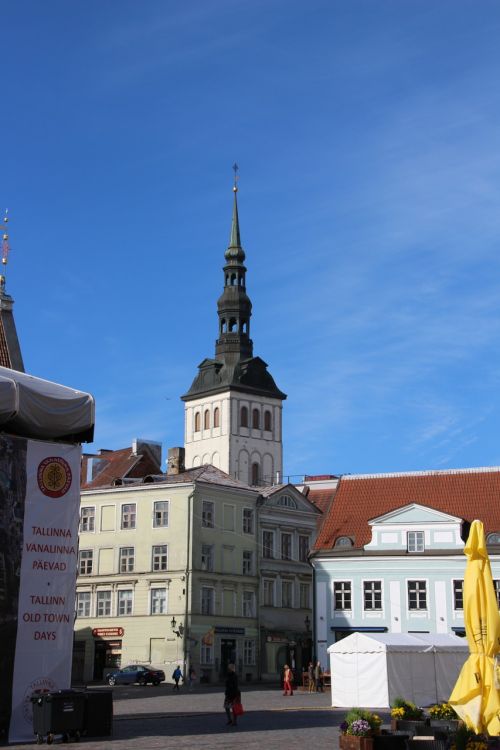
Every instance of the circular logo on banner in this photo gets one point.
(54, 476)
(40, 686)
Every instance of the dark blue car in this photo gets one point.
(135, 673)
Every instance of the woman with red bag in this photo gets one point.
(232, 696)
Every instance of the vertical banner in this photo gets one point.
(45, 617)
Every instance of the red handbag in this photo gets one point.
(237, 708)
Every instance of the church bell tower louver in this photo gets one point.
(233, 410)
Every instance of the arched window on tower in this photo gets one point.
(256, 419)
(197, 422)
(232, 325)
(223, 326)
(244, 417)
(206, 420)
(233, 279)
(216, 417)
(242, 281)
(244, 326)
(255, 474)
(267, 421)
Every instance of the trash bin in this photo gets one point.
(58, 712)
(98, 715)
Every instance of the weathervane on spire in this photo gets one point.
(5, 247)
(236, 177)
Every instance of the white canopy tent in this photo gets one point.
(36, 408)
(371, 669)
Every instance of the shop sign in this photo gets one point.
(229, 631)
(108, 632)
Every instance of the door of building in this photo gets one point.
(227, 654)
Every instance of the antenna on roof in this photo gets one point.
(5, 248)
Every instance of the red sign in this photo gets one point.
(107, 632)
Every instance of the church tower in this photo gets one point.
(233, 410)
(10, 351)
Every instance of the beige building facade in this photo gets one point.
(167, 575)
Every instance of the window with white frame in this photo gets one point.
(268, 544)
(85, 562)
(160, 514)
(125, 602)
(303, 547)
(342, 595)
(415, 541)
(127, 558)
(207, 600)
(305, 595)
(417, 595)
(83, 601)
(372, 595)
(286, 594)
(248, 653)
(207, 514)
(248, 604)
(207, 557)
(286, 546)
(104, 604)
(158, 601)
(268, 592)
(206, 654)
(160, 557)
(128, 516)
(248, 521)
(247, 562)
(458, 594)
(87, 519)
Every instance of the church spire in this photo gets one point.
(234, 306)
(10, 351)
(234, 240)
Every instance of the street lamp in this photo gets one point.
(179, 631)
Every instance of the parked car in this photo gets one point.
(135, 673)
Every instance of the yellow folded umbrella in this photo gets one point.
(475, 697)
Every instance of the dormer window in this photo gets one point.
(415, 541)
(493, 538)
(343, 541)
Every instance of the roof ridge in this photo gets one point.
(423, 473)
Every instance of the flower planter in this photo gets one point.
(353, 742)
(447, 725)
(409, 725)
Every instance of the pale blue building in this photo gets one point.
(389, 554)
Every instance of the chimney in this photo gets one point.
(175, 461)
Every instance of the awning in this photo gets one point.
(36, 408)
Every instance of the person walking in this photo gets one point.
(191, 677)
(310, 677)
(231, 694)
(287, 680)
(318, 677)
(176, 676)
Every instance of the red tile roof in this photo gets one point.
(466, 493)
(119, 464)
(322, 499)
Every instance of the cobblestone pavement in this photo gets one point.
(157, 717)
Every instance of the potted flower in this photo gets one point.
(406, 715)
(443, 715)
(466, 739)
(357, 729)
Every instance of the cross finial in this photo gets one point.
(236, 177)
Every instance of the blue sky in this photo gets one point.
(368, 139)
